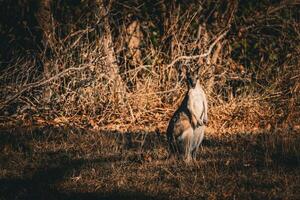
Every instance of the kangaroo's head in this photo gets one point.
(192, 79)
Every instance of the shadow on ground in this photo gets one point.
(72, 163)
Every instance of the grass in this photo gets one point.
(72, 163)
(252, 145)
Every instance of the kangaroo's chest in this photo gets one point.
(195, 102)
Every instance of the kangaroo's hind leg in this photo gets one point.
(198, 138)
(174, 148)
(186, 139)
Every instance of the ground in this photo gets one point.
(72, 163)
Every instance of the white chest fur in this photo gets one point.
(197, 104)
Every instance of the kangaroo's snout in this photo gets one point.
(191, 82)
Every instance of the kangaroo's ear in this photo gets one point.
(198, 81)
(198, 71)
(189, 79)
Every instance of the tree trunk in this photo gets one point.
(168, 13)
(118, 87)
(44, 18)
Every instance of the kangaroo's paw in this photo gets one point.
(200, 123)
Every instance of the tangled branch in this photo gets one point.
(200, 55)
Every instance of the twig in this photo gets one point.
(40, 83)
(201, 55)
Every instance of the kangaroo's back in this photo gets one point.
(180, 129)
(180, 116)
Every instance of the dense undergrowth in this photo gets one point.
(251, 73)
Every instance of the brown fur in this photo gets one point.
(181, 125)
(180, 122)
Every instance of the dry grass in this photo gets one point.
(85, 142)
(82, 91)
(72, 163)
(242, 97)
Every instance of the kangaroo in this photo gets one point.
(197, 106)
(185, 131)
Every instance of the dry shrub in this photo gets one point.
(246, 114)
(242, 96)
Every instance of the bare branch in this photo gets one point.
(201, 55)
(40, 83)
